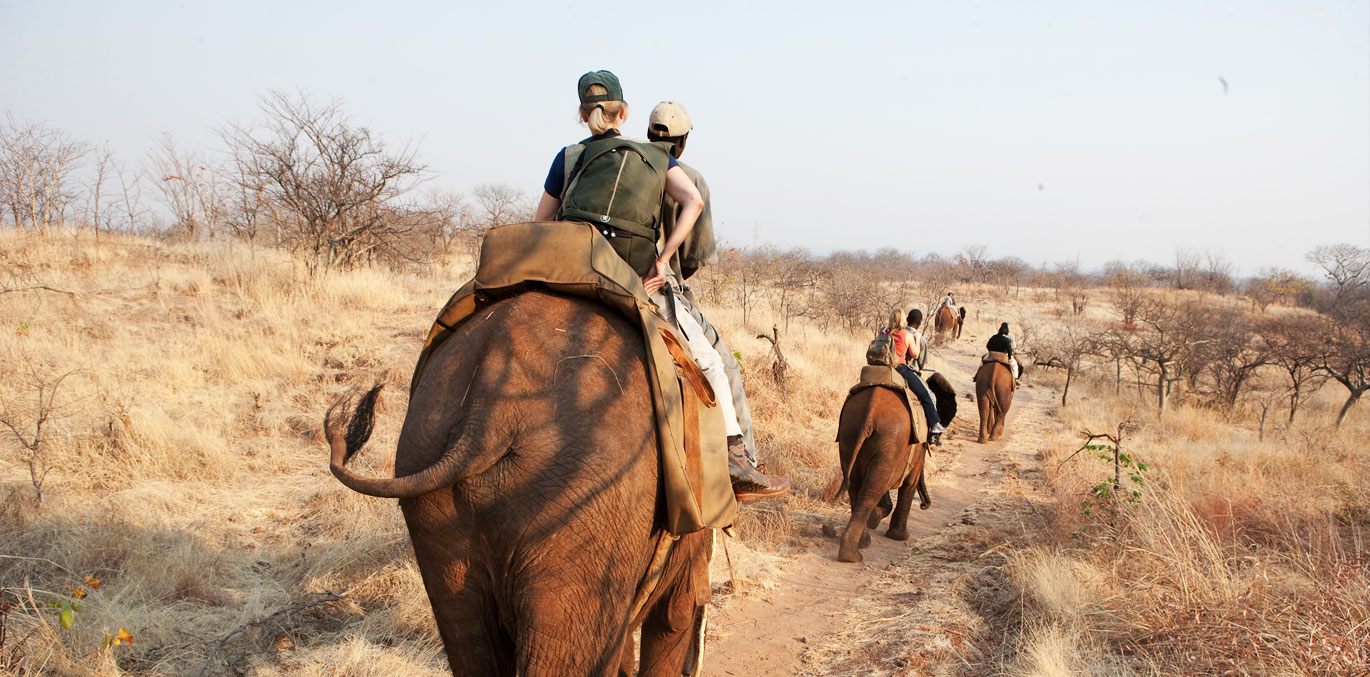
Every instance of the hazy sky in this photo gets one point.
(1046, 130)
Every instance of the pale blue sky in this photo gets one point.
(925, 126)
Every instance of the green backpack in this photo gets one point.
(618, 183)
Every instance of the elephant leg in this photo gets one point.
(864, 497)
(899, 521)
(668, 631)
(462, 596)
(986, 412)
(883, 508)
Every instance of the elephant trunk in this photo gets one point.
(343, 446)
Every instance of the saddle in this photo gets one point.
(1001, 358)
(573, 258)
(877, 376)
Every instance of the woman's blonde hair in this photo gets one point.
(896, 322)
(603, 116)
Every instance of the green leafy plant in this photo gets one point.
(1109, 449)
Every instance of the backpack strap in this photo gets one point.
(570, 166)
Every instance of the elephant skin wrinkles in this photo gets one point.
(532, 549)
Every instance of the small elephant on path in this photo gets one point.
(993, 395)
(873, 434)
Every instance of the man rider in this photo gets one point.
(670, 123)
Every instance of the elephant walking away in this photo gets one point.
(873, 447)
(527, 474)
(993, 396)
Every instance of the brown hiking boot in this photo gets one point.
(751, 484)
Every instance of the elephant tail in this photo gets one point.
(346, 438)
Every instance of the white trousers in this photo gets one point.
(705, 357)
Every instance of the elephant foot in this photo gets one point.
(865, 540)
(843, 555)
(897, 534)
(981, 440)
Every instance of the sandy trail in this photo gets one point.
(797, 627)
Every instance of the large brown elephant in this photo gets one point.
(993, 396)
(946, 323)
(873, 447)
(527, 473)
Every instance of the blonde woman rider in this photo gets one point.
(616, 184)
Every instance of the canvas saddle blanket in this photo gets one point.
(878, 376)
(574, 259)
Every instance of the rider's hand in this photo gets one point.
(657, 279)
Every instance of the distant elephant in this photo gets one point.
(873, 446)
(960, 320)
(527, 473)
(993, 395)
(946, 322)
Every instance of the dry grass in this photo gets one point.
(1243, 555)
(187, 474)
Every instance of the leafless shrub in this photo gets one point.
(334, 187)
(36, 167)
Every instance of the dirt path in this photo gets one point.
(822, 615)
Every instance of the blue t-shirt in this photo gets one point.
(557, 174)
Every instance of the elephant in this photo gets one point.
(960, 320)
(993, 395)
(946, 322)
(873, 447)
(527, 473)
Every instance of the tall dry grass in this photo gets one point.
(185, 470)
(182, 462)
(1243, 555)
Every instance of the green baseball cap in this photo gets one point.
(604, 78)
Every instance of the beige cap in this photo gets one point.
(669, 119)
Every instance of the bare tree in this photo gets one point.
(1217, 274)
(972, 263)
(795, 280)
(496, 205)
(187, 187)
(1172, 337)
(104, 164)
(1347, 267)
(335, 186)
(36, 164)
(1186, 272)
(1066, 346)
(1346, 358)
(1230, 354)
(1128, 289)
(1294, 348)
(31, 429)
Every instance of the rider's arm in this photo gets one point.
(683, 191)
(547, 208)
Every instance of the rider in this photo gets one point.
(1002, 342)
(948, 301)
(629, 219)
(670, 123)
(915, 320)
(905, 352)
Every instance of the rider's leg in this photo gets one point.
(730, 366)
(924, 397)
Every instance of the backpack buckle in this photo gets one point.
(604, 218)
